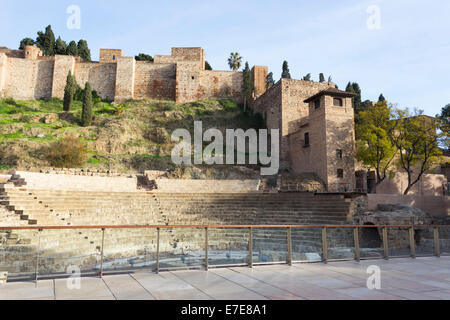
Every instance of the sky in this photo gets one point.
(400, 48)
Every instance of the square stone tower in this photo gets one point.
(325, 143)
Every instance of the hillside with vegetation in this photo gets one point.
(130, 137)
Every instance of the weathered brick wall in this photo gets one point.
(3, 72)
(29, 79)
(220, 84)
(259, 76)
(187, 83)
(101, 76)
(340, 135)
(156, 81)
(190, 54)
(63, 65)
(110, 55)
(125, 78)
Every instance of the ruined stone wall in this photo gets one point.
(29, 79)
(101, 76)
(156, 81)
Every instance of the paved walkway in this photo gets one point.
(405, 278)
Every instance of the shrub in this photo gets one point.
(69, 152)
(228, 104)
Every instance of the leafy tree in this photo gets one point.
(269, 80)
(26, 42)
(69, 91)
(381, 98)
(49, 42)
(207, 66)
(144, 57)
(416, 139)
(321, 77)
(72, 49)
(307, 77)
(60, 46)
(285, 70)
(83, 50)
(374, 146)
(86, 114)
(234, 61)
(444, 126)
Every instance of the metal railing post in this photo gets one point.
(437, 248)
(250, 247)
(101, 254)
(36, 269)
(385, 244)
(157, 250)
(289, 246)
(206, 248)
(412, 244)
(324, 245)
(356, 239)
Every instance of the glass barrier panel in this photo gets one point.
(340, 243)
(398, 242)
(424, 241)
(227, 246)
(370, 242)
(269, 245)
(69, 251)
(181, 247)
(444, 241)
(128, 249)
(18, 253)
(306, 244)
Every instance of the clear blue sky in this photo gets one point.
(407, 59)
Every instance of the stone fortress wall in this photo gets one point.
(181, 77)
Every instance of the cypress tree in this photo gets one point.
(83, 50)
(86, 114)
(381, 98)
(357, 99)
(72, 49)
(321, 77)
(49, 42)
(68, 92)
(207, 66)
(60, 46)
(307, 77)
(269, 80)
(285, 71)
(40, 41)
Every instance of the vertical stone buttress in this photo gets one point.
(125, 78)
(63, 65)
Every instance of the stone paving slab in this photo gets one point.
(402, 278)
